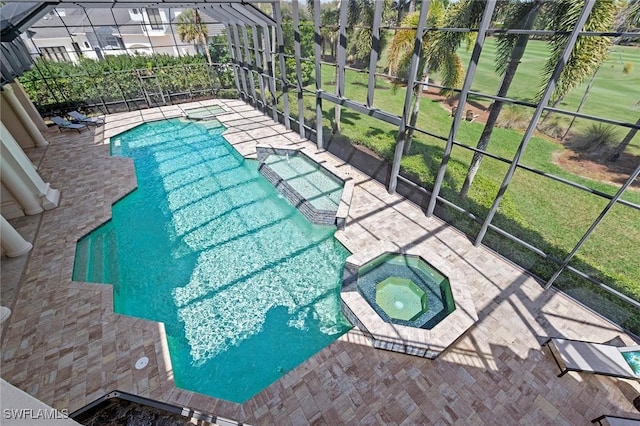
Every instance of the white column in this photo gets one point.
(22, 179)
(12, 242)
(18, 188)
(7, 92)
(5, 313)
(28, 105)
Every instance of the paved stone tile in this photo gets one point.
(64, 345)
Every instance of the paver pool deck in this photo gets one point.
(65, 345)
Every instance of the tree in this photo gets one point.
(359, 31)
(191, 29)
(628, 20)
(623, 145)
(219, 49)
(509, 54)
(401, 51)
(559, 15)
(359, 26)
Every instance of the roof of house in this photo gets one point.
(118, 20)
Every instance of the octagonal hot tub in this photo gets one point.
(404, 281)
(403, 303)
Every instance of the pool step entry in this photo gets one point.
(96, 256)
(204, 113)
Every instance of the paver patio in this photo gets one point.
(65, 345)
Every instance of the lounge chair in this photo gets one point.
(616, 421)
(84, 119)
(596, 358)
(470, 115)
(67, 125)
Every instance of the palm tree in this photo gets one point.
(440, 50)
(360, 14)
(401, 50)
(328, 18)
(559, 15)
(359, 24)
(623, 145)
(587, 55)
(191, 29)
(508, 56)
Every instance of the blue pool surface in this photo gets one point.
(633, 359)
(247, 288)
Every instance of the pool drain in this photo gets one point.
(142, 363)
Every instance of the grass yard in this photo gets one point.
(549, 215)
(615, 93)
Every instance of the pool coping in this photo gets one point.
(398, 338)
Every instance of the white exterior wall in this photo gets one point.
(66, 42)
(161, 44)
(57, 42)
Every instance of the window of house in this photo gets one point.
(135, 11)
(109, 41)
(155, 19)
(87, 45)
(56, 53)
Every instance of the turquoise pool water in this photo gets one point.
(247, 288)
(633, 359)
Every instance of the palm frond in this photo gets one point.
(588, 53)
(465, 13)
(515, 17)
(402, 43)
(453, 73)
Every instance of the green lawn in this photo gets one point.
(547, 214)
(614, 94)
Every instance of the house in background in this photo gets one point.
(66, 34)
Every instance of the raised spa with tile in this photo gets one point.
(403, 303)
(405, 290)
(315, 189)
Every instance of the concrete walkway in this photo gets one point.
(65, 346)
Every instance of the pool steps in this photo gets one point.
(96, 256)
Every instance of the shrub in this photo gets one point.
(554, 126)
(307, 70)
(512, 117)
(628, 67)
(596, 136)
(58, 85)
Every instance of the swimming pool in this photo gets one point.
(247, 288)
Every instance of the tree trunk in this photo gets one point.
(206, 51)
(623, 145)
(400, 12)
(414, 113)
(582, 101)
(496, 107)
(412, 6)
(548, 113)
